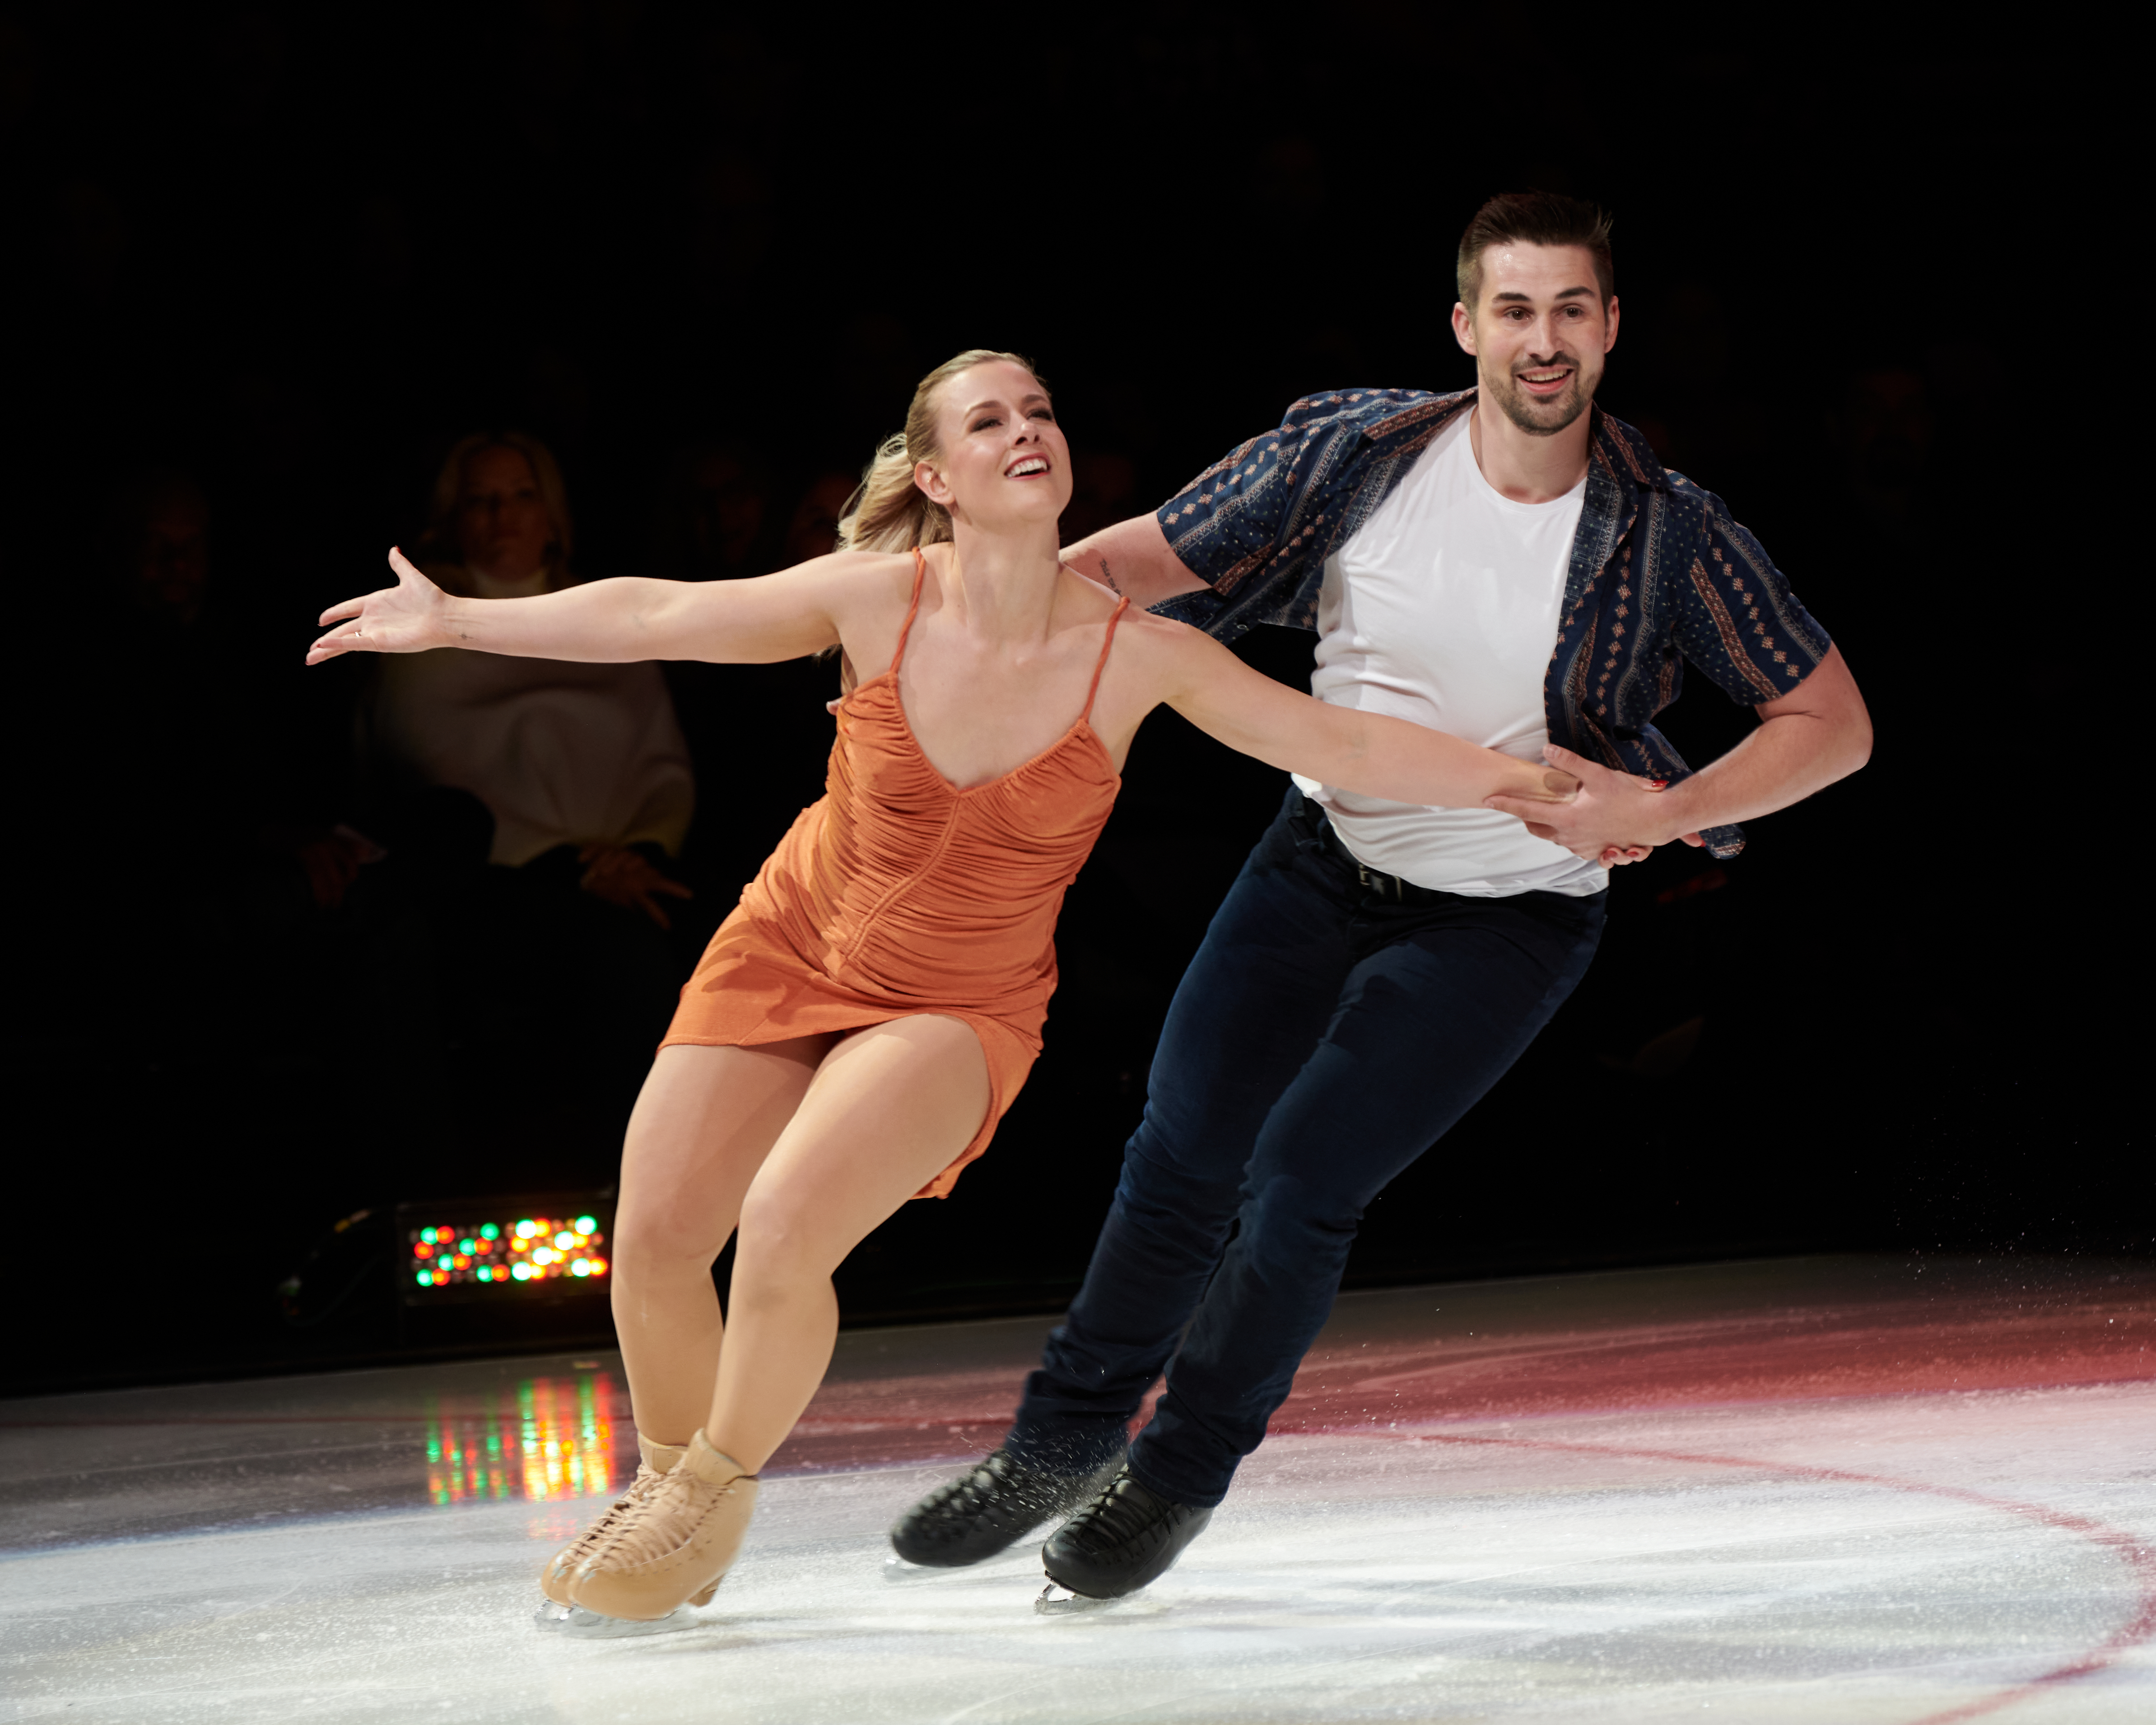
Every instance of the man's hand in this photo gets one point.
(1614, 819)
(621, 877)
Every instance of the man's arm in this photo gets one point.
(1132, 557)
(1817, 733)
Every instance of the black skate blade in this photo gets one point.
(1057, 1600)
(574, 1621)
(898, 1569)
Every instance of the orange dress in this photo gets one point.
(899, 893)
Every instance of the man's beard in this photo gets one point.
(1543, 416)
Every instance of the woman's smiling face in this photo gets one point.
(1004, 458)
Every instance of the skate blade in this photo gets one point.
(897, 1569)
(574, 1620)
(1057, 1600)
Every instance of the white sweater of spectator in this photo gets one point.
(561, 753)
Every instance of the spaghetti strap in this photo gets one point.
(906, 629)
(1102, 665)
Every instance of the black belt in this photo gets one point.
(1374, 881)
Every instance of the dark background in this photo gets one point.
(295, 254)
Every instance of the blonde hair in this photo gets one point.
(440, 553)
(889, 512)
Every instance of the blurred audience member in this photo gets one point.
(162, 745)
(813, 530)
(218, 844)
(584, 756)
(529, 808)
(780, 706)
(713, 518)
(1887, 433)
(167, 577)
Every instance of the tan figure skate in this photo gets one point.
(678, 1548)
(658, 1460)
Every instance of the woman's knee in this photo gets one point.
(662, 1236)
(781, 1239)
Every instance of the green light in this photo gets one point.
(428, 1236)
(464, 1246)
(586, 1225)
(489, 1232)
(583, 1266)
(425, 1280)
(522, 1272)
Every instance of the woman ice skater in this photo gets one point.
(862, 1019)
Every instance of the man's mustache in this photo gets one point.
(1544, 364)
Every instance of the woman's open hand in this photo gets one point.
(409, 618)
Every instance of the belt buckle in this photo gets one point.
(1384, 886)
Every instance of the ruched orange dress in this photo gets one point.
(900, 893)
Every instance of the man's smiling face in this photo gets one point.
(1538, 332)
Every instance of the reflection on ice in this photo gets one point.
(553, 1439)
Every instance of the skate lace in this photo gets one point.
(1122, 1512)
(977, 1486)
(602, 1532)
(681, 1501)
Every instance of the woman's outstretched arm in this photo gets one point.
(752, 622)
(1365, 752)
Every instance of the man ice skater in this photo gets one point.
(1507, 564)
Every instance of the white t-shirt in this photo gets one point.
(1442, 608)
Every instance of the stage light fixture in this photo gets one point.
(469, 1249)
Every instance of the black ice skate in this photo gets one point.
(1125, 1539)
(987, 1509)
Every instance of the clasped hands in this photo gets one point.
(1612, 818)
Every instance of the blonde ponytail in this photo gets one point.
(890, 512)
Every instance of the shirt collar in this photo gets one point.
(1624, 454)
(1615, 447)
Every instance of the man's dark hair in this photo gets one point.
(1534, 219)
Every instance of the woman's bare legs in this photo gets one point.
(703, 1124)
(889, 1109)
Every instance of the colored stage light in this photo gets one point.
(536, 1249)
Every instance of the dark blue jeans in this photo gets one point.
(1323, 1038)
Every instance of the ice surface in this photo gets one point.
(1830, 1491)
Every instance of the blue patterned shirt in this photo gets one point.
(1660, 576)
